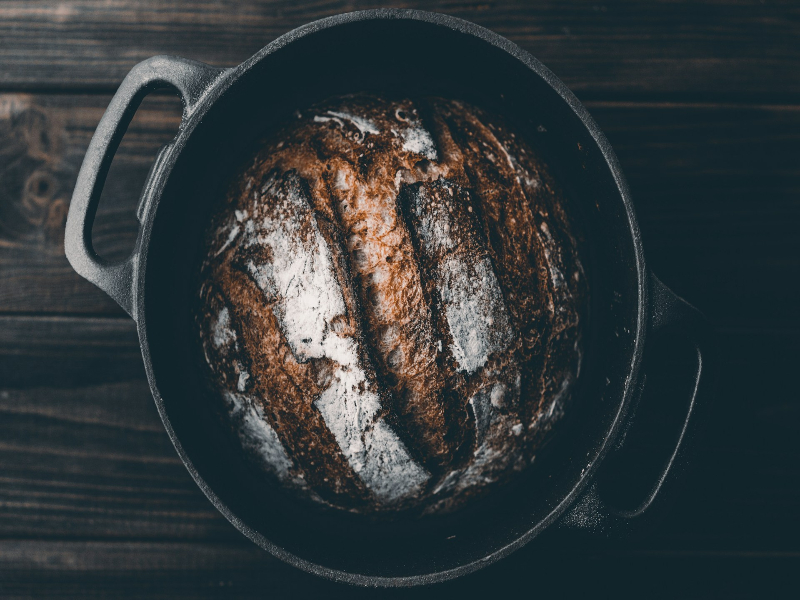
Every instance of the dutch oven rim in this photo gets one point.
(224, 79)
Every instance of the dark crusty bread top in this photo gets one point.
(390, 303)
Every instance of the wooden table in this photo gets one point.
(701, 101)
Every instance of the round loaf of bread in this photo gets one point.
(390, 304)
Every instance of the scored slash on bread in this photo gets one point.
(399, 297)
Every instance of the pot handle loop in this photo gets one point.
(668, 311)
(192, 79)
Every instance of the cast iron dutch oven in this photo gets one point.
(408, 53)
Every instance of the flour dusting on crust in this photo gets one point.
(309, 301)
(392, 302)
(257, 435)
(473, 303)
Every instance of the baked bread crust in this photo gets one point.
(391, 302)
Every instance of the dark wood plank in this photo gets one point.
(124, 569)
(700, 101)
(32, 568)
(746, 48)
(83, 454)
(82, 449)
(716, 190)
(715, 186)
(63, 353)
(741, 492)
(94, 461)
(44, 139)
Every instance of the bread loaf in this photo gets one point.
(390, 304)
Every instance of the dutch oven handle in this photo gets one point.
(668, 312)
(192, 79)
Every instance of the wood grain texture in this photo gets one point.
(44, 140)
(699, 100)
(169, 570)
(82, 450)
(746, 48)
(715, 188)
(83, 454)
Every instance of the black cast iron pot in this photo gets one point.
(396, 52)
